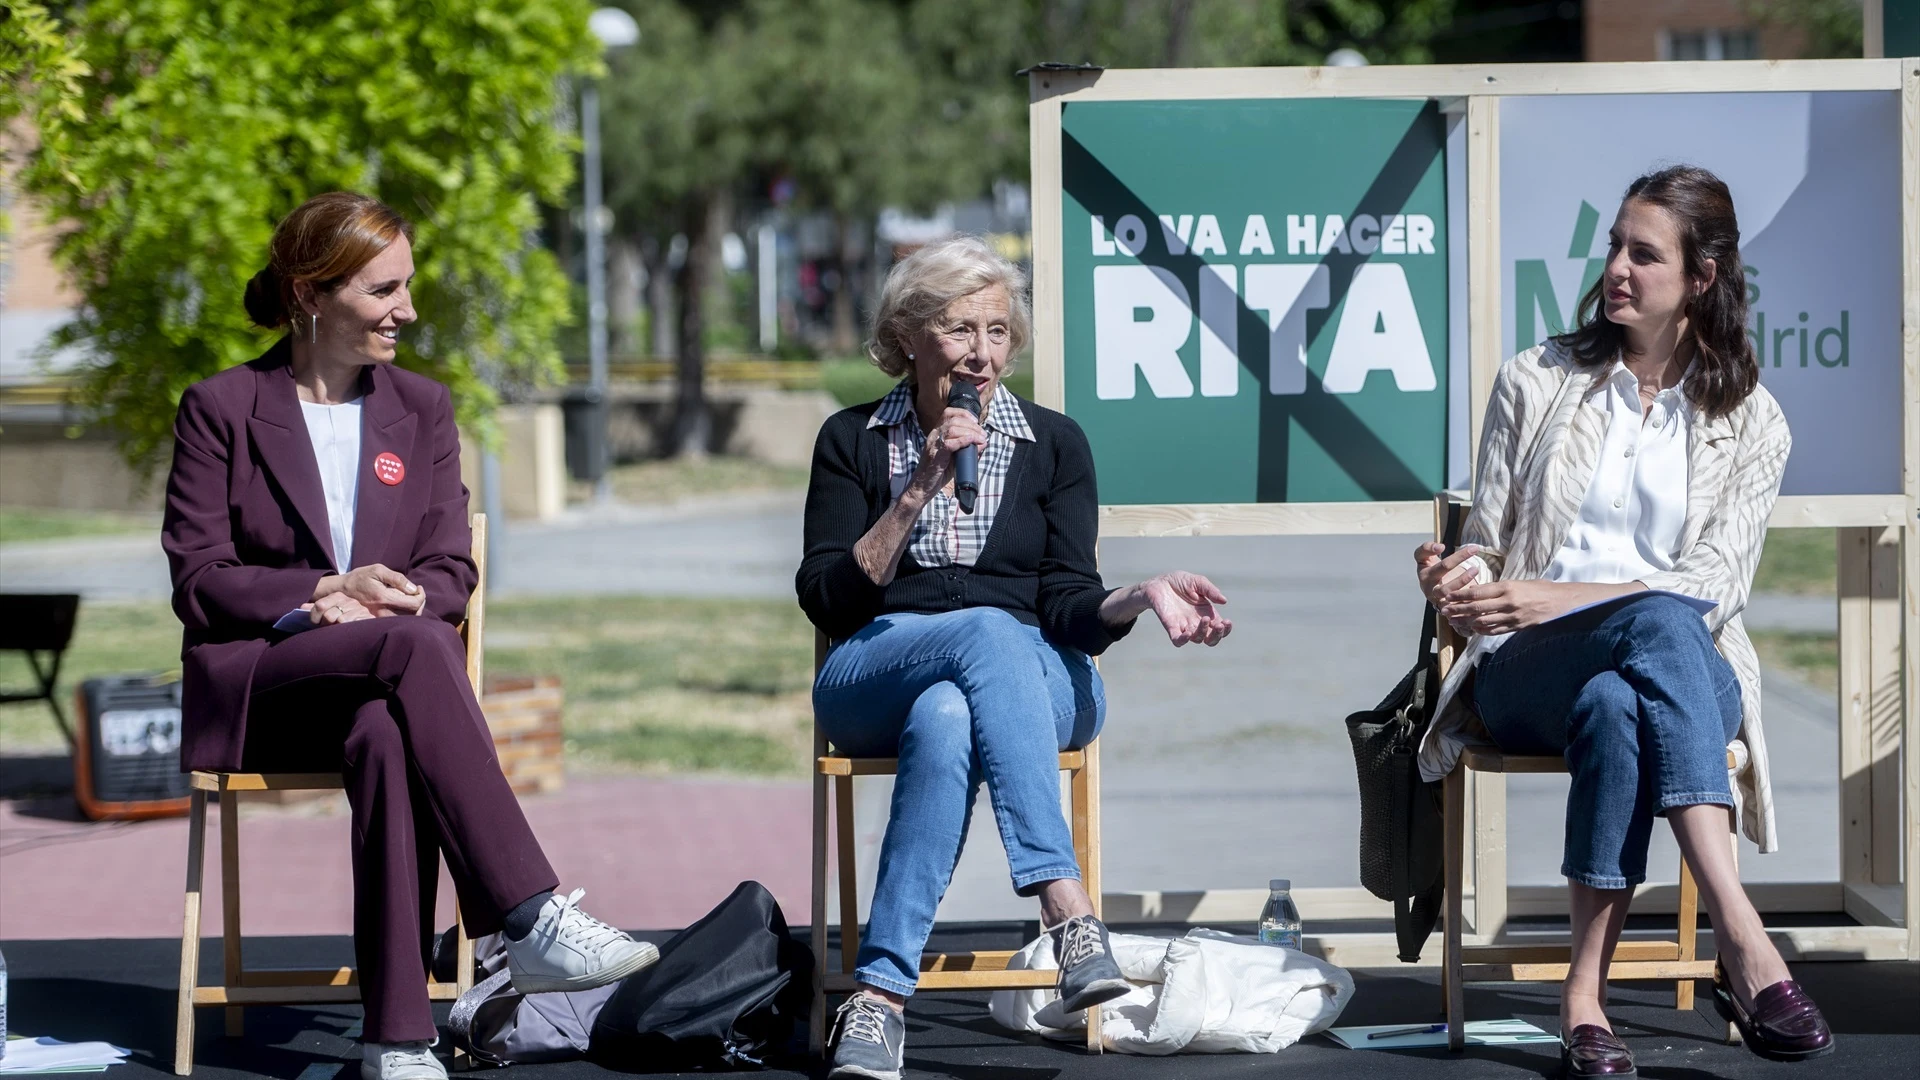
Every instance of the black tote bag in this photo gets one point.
(1401, 857)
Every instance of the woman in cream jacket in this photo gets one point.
(1633, 458)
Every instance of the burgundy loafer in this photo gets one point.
(1784, 1023)
(1591, 1050)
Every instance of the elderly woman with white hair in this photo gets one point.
(961, 642)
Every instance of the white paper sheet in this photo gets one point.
(1479, 1033)
(51, 1055)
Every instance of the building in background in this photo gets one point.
(1686, 30)
(35, 298)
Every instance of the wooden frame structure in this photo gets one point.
(985, 970)
(1879, 536)
(243, 986)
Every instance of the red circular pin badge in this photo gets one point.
(390, 469)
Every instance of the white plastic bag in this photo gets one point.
(1208, 992)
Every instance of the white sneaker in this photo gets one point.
(400, 1061)
(571, 950)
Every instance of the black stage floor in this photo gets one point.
(123, 991)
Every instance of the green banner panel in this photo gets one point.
(1256, 298)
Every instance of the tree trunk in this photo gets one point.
(623, 297)
(692, 425)
(661, 316)
(846, 336)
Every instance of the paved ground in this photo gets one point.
(652, 853)
(1222, 767)
(122, 991)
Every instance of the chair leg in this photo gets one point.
(1733, 841)
(817, 1020)
(230, 904)
(1454, 833)
(190, 934)
(462, 974)
(1489, 855)
(1688, 928)
(1083, 789)
(849, 874)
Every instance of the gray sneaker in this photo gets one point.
(1089, 975)
(869, 1040)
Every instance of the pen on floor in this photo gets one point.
(1425, 1029)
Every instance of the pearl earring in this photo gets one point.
(909, 356)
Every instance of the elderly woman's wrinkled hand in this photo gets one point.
(958, 428)
(1185, 603)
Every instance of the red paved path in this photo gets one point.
(652, 853)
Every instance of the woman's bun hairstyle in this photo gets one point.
(324, 242)
(263, 302)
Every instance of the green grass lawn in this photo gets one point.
(1814, 657)
(669, 685)
(673, 479)
(661, 685)
(107, 639)
(1800, 561)
(28, 523)
(857, 381)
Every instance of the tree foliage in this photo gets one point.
(211, 119)
(1826, 28)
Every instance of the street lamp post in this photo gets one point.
(616, 30)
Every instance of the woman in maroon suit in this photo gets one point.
(317, 531)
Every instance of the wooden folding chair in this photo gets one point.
(1492, 961)
(302, 986)
(938, 971)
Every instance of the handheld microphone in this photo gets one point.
(966, 460)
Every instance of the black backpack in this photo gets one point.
(730, 992)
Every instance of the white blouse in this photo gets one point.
(335, 431)
(1629, 524)
(1630, 521)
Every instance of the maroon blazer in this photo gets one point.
(246, 525)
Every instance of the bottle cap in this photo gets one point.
(1280, 884)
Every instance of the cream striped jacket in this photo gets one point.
(1541, 441)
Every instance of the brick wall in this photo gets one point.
(1630, 29)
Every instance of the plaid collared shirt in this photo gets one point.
(943, 536)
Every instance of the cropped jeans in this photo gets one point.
(1635, 696)
(959, 697)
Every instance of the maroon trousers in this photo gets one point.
(386, 701)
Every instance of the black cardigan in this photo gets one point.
(1037, 563)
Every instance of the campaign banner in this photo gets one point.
(1815, 179)
(1255, 298)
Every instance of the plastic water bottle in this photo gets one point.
(3, 1006)
(1280, 920)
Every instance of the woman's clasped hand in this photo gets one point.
(365, 592)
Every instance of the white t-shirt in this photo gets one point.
(335, 431)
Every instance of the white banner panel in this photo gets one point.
(1816, 182)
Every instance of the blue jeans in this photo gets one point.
(1641, 704)
(958, 697)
